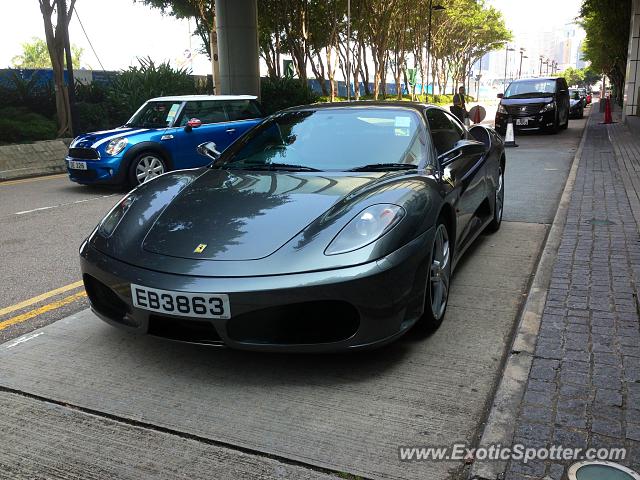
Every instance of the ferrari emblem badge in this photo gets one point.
(200, 248)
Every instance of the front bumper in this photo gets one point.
(539, 121)
(378, 302)
(106, 170)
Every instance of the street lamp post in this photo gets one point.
(521, 57)
(541, 58)
(432, 7)
(506, 58)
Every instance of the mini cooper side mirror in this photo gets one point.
(208, 149)
(192, 123)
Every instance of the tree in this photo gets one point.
(57, 37)
(35, 54)
(607, 23)
(574, 76)
(203, 12)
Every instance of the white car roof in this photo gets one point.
(193, 98)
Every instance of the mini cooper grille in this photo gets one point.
(524, 109)
(84, 153)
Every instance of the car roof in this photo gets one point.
(534, 78)
(194, 98)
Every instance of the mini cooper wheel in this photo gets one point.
(146, 166)
(438, 279)
(494, 226)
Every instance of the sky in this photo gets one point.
(529, 16)
(122, 30)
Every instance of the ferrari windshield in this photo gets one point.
(338, 139)
(531, 88)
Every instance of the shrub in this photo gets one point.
(279, 93)
(92, 117)
(132, 87)
(18, 124)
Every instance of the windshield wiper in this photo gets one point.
(272, 167)
(376, 167)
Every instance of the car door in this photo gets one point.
(185, 138)
(563, 102)
(462, 161)
(243, 115)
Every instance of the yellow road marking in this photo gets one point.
(29, 180)
(39, 311)
(39, 298)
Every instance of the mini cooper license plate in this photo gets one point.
(75, 165)
(194, 305)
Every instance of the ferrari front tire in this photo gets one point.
(438, 279)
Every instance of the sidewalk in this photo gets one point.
(583, 388)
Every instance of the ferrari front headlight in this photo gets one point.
(116, 145)
(366, 227)
(112, 219)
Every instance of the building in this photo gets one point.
(632, 88)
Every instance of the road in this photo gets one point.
(131, 407)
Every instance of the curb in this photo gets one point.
(500, 424)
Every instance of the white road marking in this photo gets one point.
(23, 339)
(39, 209)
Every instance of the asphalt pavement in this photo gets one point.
(155, 408)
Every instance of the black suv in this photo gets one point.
(534, 104)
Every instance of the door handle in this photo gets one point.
(230, 130)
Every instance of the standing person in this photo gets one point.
(459, 108)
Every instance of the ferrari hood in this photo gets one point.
(234, 215)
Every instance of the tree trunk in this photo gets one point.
(215, 65)
(56, 47)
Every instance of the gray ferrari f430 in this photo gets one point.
(323, 228)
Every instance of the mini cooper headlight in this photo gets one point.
(116, 145)
(548, 107)
(366, 227)
(501, 109)
(112, 219)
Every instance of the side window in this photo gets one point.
(206, 111)
(562, 84)
(457, 126)
(444, 132)
(242, 109)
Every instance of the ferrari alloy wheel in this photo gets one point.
(437, 294)
(494, 226)
(145, 167)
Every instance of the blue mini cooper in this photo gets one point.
(161, 136)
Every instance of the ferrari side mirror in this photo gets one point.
(208, 149)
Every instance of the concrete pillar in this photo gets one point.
(238, 54)
(632, 79)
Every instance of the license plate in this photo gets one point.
(195, 305)
(522, 121)
(75, 165)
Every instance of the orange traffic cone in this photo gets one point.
(607, 111)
